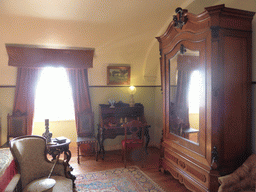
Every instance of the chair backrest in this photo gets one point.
(16, 125)
(136, 128)
(85, 124)
(30, 154)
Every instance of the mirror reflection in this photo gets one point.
(186, 83)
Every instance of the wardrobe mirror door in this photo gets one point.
(185, 93)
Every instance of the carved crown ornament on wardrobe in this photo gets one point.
(206, 82)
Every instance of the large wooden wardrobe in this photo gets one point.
(206, 81)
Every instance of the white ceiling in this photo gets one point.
(127, 27)
(95, 11)
(121, 31)
(90, 10)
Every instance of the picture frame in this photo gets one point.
(118, 75)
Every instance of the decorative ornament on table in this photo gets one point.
(47, 135)
(111, 103)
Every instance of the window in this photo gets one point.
(194, 92)
(53, 98)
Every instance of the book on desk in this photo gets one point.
(59, 140)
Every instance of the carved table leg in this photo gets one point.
(102, 143)
(69, 168)
(68, 173)
(101, 140)
(67, 155)
(147, 138)
(96, 150)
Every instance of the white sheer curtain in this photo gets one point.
(195, 89)
(53, 99)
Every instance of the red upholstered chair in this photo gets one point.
(136, 129)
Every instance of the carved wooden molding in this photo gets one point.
(172, 158)
(181, 179)
(196, 173)
(180, 19)
(182, 49)
(174, 173)
(182, 164)
(186, 167)
(189, 186)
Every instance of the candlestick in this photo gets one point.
(46, 122)
(47, 134)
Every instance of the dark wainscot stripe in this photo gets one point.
(94, 86)
(110, 86)
(105, 86)
(7, 86)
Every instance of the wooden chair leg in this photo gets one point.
(78, 161)
(96, 150)
(125, 157)
(122, 154)
(144, 156)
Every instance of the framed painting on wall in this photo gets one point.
(118, 75)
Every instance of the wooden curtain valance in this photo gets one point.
(34, 56)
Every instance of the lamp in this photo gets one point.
(132, 91)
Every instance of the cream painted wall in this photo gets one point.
(148, 96)
(110, 46)
(143, 95)
(57, 128)
(127, 48)
(158, 116)
(194, 120)
(6, 104)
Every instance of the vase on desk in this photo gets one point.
(111, 103)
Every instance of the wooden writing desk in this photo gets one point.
(111, 120)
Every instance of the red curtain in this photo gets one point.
(26, 83)
(29, 60)
(186, 65)
(182, 102)
(80, 89)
